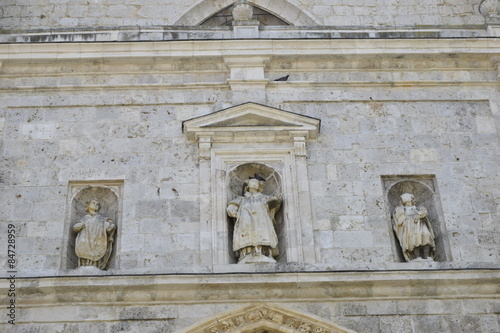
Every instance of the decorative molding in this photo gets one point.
(408, 282)
(299, 142)
(254, 133)
(283, 9)
(252, 122)
(247, 72)
(204, 146)
(240, 48)
(269, 317)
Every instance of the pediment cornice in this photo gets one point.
(268, 317)
(251, 121)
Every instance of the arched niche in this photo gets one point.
(425, 193)
(224, 17)
(245, 134)
(281, 9)
(272, 186)
(108, 195)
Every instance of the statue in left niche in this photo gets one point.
(94, 241)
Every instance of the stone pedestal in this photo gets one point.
(256, 259)
(246, 29)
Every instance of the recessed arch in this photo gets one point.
(108, 199)
(424, 189)
(282, 9)
(224, 18)
(266, 318)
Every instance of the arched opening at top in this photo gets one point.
(268, 13)
(225, 18)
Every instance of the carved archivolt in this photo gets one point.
(269, 318)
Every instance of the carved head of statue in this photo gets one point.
(255, 183)
(92, 206)
(408, 199)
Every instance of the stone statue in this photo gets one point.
(254, 238)
(414, 230)
(94, 242)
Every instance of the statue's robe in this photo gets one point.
(413, 231)
(93, 242)
(255, 221)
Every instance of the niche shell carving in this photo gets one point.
(95, 238)
(242, 11)
(414, 230)
(254, 238)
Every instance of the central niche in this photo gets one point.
(242, 141)
(272, 187)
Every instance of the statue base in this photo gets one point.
(256, 259)
(87, 270)
(422, 260)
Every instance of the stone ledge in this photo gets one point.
(324, 286)
(156, 33)
(277, 268)
(240, 48)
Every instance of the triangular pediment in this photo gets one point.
(250, 119)
(266, 318)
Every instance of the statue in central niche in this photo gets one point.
(254, 238)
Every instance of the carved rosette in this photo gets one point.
(242, 11)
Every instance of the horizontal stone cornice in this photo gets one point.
(317, 286)
(245, 48)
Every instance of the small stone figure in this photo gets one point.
(94, 242)
(254, 238)
(414, 230)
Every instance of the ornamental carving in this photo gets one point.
(269, 317)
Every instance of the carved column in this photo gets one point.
(300, 152)
(204, 151)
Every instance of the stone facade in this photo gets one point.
(19, 14)
(159, 122)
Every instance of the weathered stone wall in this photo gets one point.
(395, 101)
(30, 14)
(105, 119)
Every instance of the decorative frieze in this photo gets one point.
(267, 317)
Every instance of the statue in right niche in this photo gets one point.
(413, 230)
(94, 241)
(254, 237)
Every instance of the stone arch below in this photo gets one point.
(269, 318)
(282, 9)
